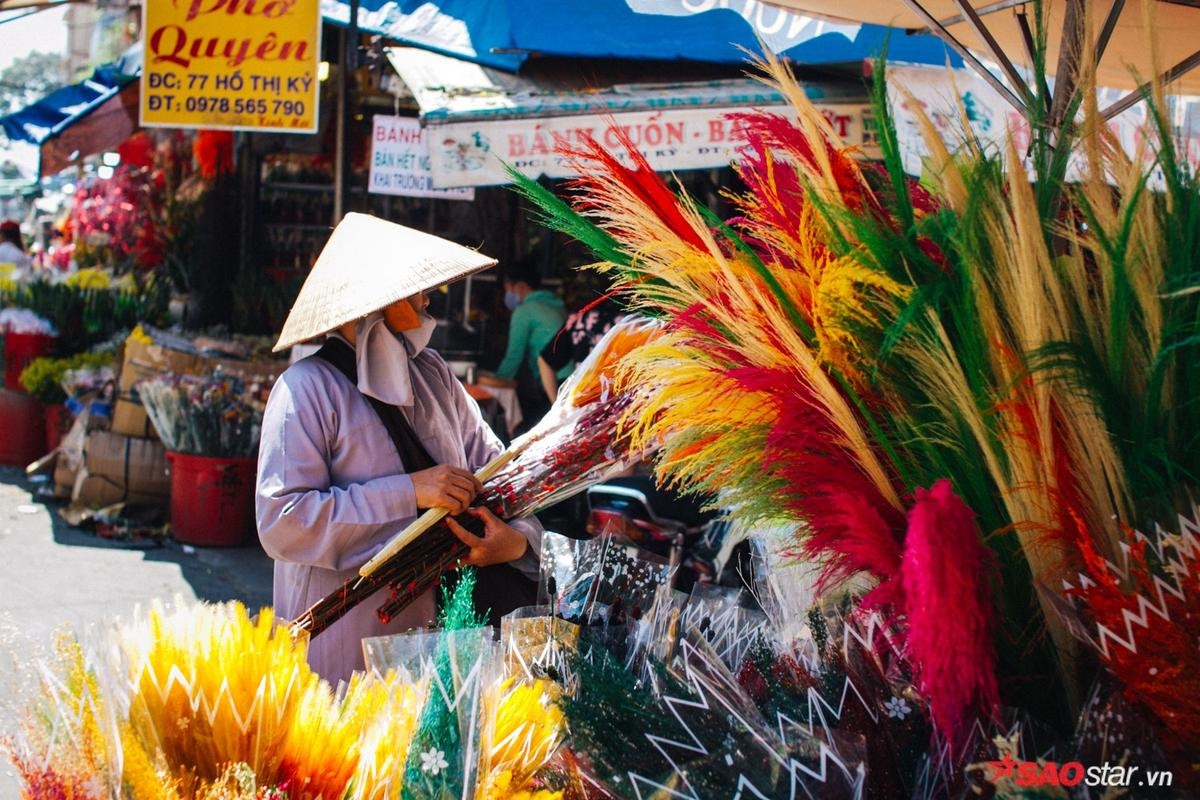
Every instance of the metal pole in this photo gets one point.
(246, 170)
(1110, 25)
(967, 56)
(1187, 65)
(1070, 53)
(340, 112)
(997, 52)
(345, 106)
(982, 11)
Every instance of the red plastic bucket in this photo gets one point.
(19, 350)
(58, 421)
(22, 429)
(212, 499)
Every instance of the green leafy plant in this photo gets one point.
(85, 317)
(42, 378)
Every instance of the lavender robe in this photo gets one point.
(332, 490)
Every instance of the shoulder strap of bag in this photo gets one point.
(413, 454)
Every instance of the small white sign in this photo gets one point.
(400, 163)
(944, 97)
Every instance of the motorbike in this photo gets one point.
(668, 524)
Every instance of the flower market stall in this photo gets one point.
(106, 456)
(180, 425)
(126, 247)
(969, 389)
(954, 417)
(129, 254)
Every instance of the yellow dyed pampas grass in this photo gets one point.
(384, 743)
(202, 701)
(524, 728)
(209, 687)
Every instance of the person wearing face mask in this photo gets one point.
(537, 315)
(362, 437)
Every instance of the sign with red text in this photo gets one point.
(231, 64)
(474, 153)
(400, 162)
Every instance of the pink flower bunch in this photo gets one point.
(115, 219)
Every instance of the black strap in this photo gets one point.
(413, 454)
(125, 471)
(500, 588)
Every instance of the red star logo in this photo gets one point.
(1003, 769)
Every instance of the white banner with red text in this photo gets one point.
(473, 153)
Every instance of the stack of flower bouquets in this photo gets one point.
(202, 702)
(706, 697)
(218, 416)
(575, 445)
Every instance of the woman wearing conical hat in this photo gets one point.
(332, 480)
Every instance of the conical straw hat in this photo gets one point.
(367, 264)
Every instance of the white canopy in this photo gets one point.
(1119, 31)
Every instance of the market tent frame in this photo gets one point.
(1114, 35)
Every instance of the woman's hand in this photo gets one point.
(500, 543)
(445, 487)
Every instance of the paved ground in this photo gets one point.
(52, 575)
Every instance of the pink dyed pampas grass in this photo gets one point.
(947, 577)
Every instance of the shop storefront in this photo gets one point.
(478, 94)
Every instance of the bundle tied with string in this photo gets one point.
(576, 445)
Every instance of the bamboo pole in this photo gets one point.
(431, 517)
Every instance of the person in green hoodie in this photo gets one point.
(537, 315)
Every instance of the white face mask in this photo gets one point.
(420, 336)
(382, 357)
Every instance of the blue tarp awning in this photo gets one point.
(57, 111)
(503, 33)
(452, 90)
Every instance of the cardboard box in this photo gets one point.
(118, 468)
(167, 354)
(140, 464)
(70, 449)
(64, 477)
(130, 419)
(142, 361)
(96, 491)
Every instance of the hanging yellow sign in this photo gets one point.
(231, 64)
